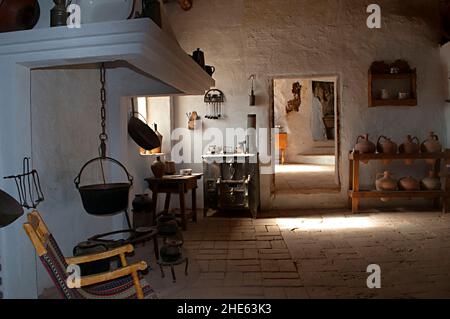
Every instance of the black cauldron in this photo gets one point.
(107, 198)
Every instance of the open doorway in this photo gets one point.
(305, 113)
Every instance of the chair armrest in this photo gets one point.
(99, 256)
(119, 273)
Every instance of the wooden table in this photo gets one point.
(176, 184)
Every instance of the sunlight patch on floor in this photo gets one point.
(325, 223)
(303, 168)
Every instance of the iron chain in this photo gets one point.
(103, 136)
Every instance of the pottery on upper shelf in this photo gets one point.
(386, 146)
(410, 147)
(364, 145)
(431, 145)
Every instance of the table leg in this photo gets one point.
(167, 203)
(156, 246)
(162, 271)
(173, 274)
(155, 205)
(194, 205)
(182, 207)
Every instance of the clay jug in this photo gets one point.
(385, 182)
(385, 145)
(170, 168)
(142, 203)
(408, 184)
(431, 145)
(364, 145)
(409, 147)
(158, 168)
(160, 137)
(432, 182)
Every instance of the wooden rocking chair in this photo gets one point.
(123, 283)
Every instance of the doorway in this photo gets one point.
(305, 114)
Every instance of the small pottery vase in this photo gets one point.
(385, 182)
(431, 145)
(408, 184)
(170, 168)
(432, 182)
(142, 203)
(409, 147)
(386, 146)
(364, 145)
(158, 168)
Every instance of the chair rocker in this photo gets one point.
(123, 283)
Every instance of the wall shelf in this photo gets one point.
(355, 193)
(392, 76)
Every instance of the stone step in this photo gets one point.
(314, 159)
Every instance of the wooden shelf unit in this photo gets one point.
(355, 194)
(379, 72)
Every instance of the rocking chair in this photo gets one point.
(123, 283)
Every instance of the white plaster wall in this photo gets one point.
(65, 126)
(293, 38)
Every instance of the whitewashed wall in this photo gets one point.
(275, 38)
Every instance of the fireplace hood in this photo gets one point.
(138, 44)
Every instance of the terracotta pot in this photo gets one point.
(409, 147)
(170, 168)
(385, 145)
(364, 145)
(431, 145)
(408, 184)
(385, 182)
(158, 168)
(432, 182)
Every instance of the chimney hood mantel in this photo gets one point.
(140, 43)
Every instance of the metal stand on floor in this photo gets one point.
(180, 261)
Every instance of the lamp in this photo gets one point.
(252, 94)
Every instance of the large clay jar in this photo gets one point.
(431, 145)
(432, 182)
(410, 147)
(386, 146)
(385, 182)
(142, 203)
(158, 168)
(408, 184)
(364, 145)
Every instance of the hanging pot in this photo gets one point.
(142, 134)
(10, 209)
(16, 15)
(104, 199)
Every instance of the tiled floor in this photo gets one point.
(319, 256)
(305, 178)
(315, 257)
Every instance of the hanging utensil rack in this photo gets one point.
(214, 100)
(28, 186)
